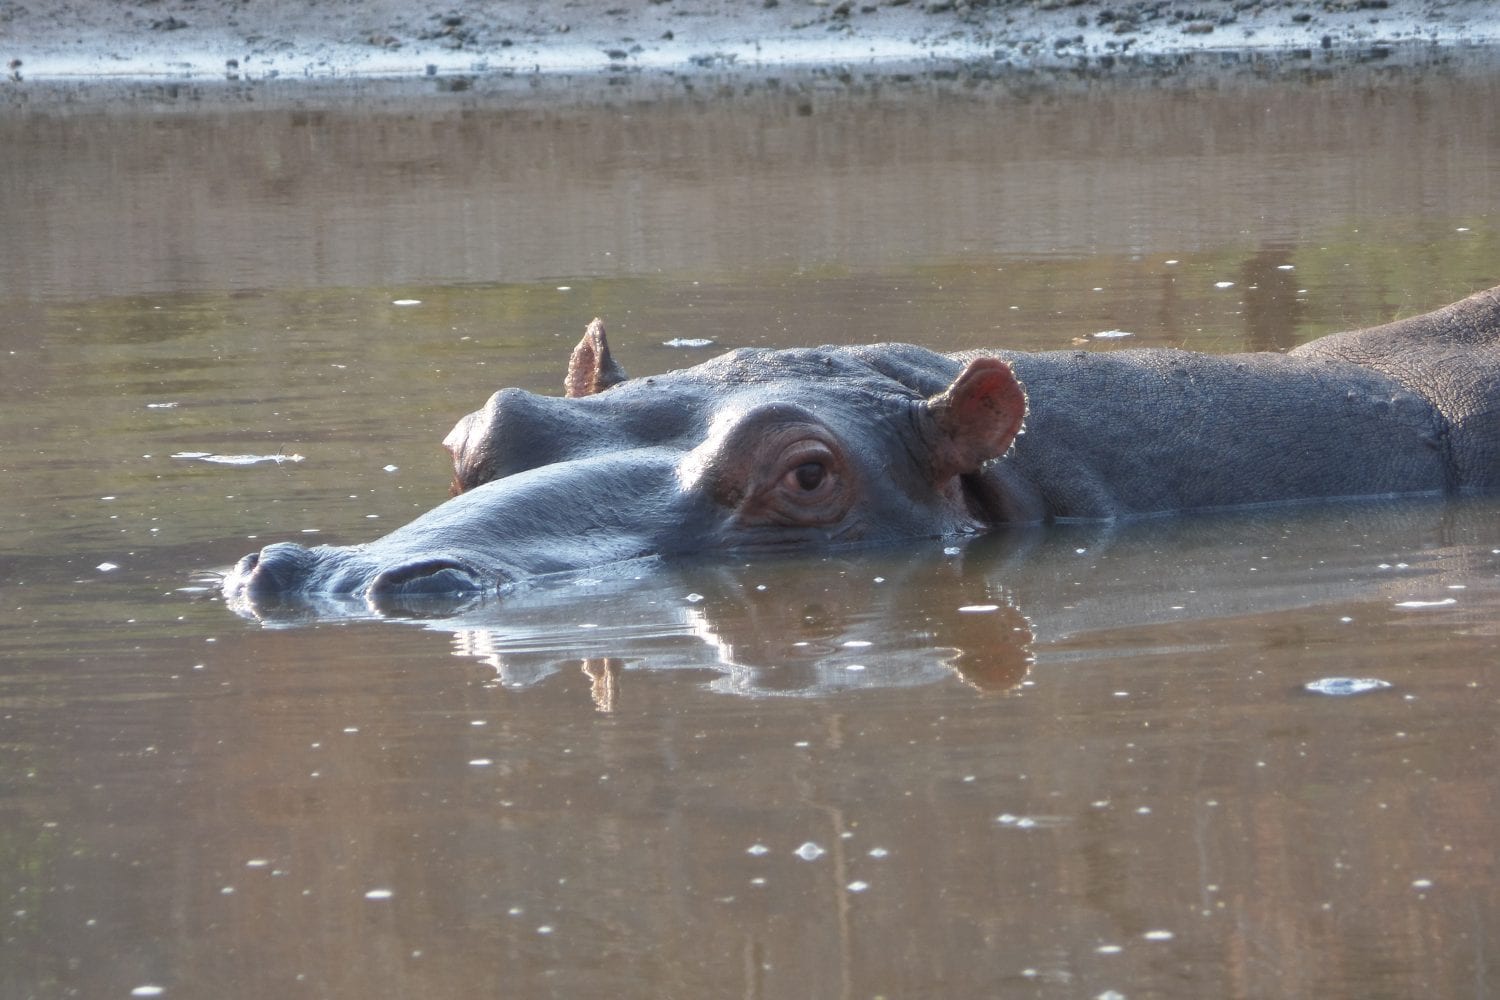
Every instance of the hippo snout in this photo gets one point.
(287, 572)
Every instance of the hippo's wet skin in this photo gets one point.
(842, 444)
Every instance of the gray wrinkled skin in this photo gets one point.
(836, 445)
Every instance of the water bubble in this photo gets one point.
(857, 886)
(810, 851)
(379, 894)
(406, 302)
(1158, 935)
(757, 849)
(147, 991)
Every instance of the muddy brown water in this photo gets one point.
(1080, 762)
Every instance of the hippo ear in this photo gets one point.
(465, 442)
(975, 419)
(591, 369)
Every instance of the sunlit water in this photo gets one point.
(1247, 755)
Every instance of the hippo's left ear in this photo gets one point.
(975, 419)
(591, 369)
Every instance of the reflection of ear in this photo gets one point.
(603, 673)
(996, 655)
(591, 369)
(975, 419)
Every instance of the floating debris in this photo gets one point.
(1112, 334)
(1015, 822)
(208, 456)
(688, 342)
(978, 609)
(161, 406)
(406, 302)
(1343, 686)
(1444, 602)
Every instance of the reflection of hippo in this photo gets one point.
(1008, 610)
(843, 444)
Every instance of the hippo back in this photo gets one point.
(1451, 357)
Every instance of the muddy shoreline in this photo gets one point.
(76, 51)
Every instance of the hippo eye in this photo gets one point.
(778, 468)
(809, 475)
(810, 489)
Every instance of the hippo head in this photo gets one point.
(756, 448)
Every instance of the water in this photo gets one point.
(1076, 762)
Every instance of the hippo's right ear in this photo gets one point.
(975, 419)
(591, 369)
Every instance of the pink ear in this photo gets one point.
(591, 369)
(976, 418)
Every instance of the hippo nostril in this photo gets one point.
(429, 577)
(275, 569)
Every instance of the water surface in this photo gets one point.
(1062, 763)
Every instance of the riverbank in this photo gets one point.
(332, 39)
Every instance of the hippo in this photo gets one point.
(835, 446)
